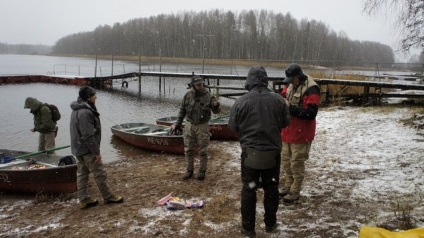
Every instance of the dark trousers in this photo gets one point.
(269, 181)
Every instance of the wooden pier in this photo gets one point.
(332, 90)
(372, 92)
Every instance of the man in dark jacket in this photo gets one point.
(258, 117)
(303, 95)
(85, 131)
(196, 108)
(43, 123)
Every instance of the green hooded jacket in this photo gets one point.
(43, 121)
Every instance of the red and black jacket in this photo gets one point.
(304, 102)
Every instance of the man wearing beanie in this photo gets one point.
(43, 123)
(85, 131)
(258, 116)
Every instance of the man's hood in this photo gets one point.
(257, 76)
(78, 104)
(32, 103)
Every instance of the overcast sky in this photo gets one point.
(46, 21)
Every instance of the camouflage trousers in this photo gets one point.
(293, 159)
(196, 134)
(87, 164)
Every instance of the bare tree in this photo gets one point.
(409, 18)
(258, 34)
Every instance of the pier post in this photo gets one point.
(139, 75)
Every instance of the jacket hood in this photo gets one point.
(32, 103)
(257, 76)
(78, 104)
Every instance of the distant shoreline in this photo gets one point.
(135, 58)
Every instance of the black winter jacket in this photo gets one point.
(259, 116)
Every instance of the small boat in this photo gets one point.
(36, 172)
(218, 127)
(150, 137)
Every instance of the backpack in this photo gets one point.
(55, 112)
(67, 160)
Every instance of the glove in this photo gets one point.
(175, 127)
(176, 130)
(215, 104)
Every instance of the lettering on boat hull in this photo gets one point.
(157, 141)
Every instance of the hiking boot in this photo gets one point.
(291, 197)
(247, 233)
(88, 202)
(201, 175)
(270, 229)
(114, 199)
(284, 192)
(188, 175)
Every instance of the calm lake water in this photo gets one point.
(115, 107)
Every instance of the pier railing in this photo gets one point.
(370, 92)
(367, 92)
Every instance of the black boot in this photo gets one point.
(201, 175)
(188, 175)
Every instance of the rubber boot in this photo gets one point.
(201, 175)
(188, 175)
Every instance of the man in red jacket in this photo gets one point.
(303, 95)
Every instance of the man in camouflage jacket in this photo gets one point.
(196, 108)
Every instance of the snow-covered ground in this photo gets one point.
(364, 158)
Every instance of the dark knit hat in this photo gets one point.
(86, 92)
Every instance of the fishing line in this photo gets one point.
(21, 131)
(235, 70)
(112, 121)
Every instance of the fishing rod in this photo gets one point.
(42, 152)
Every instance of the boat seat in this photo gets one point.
(140, 129)
(158, 133)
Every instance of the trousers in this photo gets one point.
(196, 134)
(46, 140)
(269, 180)
(293, 162)
(87, 164)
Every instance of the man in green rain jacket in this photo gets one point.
(43, 123)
